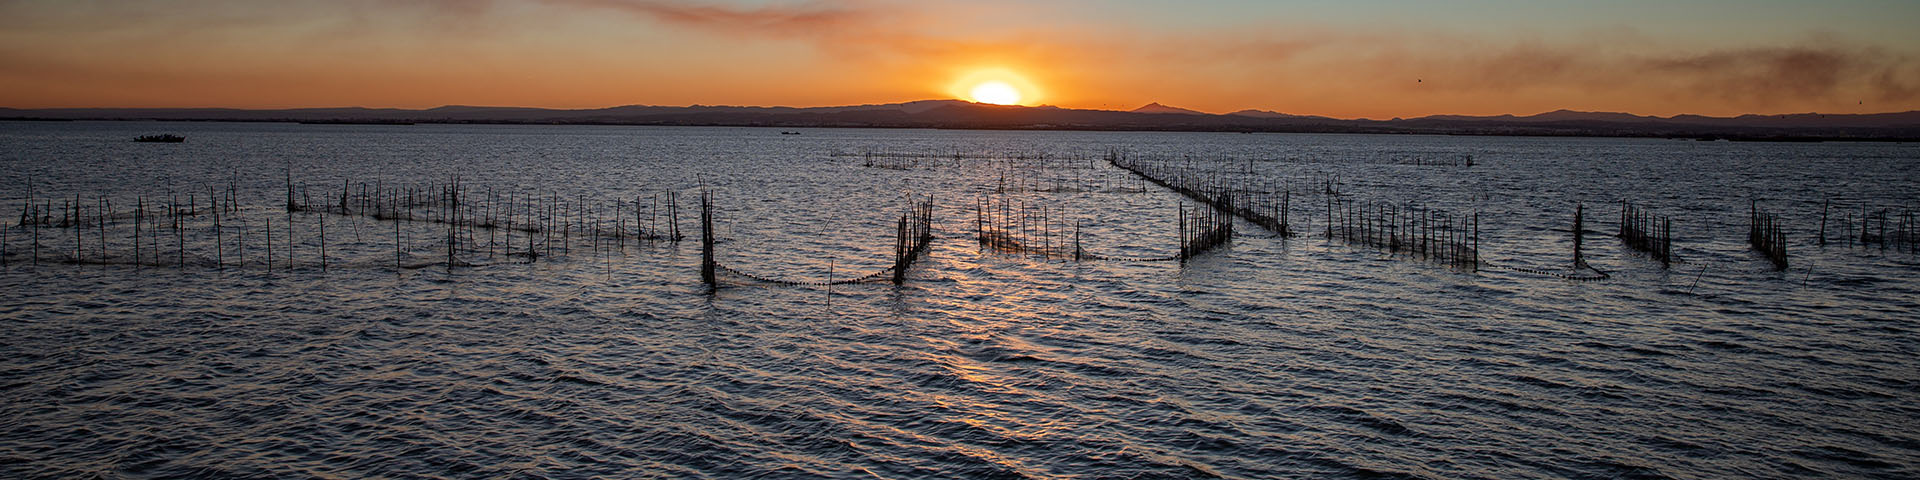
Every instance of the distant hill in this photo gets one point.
(1153, 116)
(1156, 107)
(1269, 114)
(1553, 116)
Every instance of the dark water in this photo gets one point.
(1274, 357)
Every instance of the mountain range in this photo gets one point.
(1904, 126)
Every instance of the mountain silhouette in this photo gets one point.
(1153, 116)
(1156, 107)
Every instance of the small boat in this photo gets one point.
(164, 138)
(789, 133)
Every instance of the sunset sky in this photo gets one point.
(1374, 59)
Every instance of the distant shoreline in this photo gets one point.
(1361, 127)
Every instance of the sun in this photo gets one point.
(995, 86)
(995, 92)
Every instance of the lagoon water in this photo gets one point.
(1271, 357)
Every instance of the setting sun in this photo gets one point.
(996, 86)
(997, 93)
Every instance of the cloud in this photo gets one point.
(1765, 75)
(849, 29)
(1597, 70)
(812, 19)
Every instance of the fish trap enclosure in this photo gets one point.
(1004, 228)
(913, 233)
(1002, 225)
(1893, 229)
(1265, 204)
(1427, 234)
(1765, 236)
(1645, 231)
(362, 225)
(1203, 228)
(1015, 171)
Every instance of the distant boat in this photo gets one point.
(789, 133)
(166, 138)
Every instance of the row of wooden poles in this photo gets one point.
(1882, 227)
(913, 233)
(1267, 207)
(514, 225)
(905, 159)
(1448, 160)
(545, 223)
(1031, 230)
(1024, 229)
(1430, 234)
(1645, 231)
(1037, 181)
(530, 225)
(914, 160)
(1766, 237)
(653, 218)
(145, 221)
(1203, 228)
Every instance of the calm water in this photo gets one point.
(1273, 357)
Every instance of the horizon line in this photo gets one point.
(1040, 106)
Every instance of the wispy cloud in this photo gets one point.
(812, 19)
(1764, 75)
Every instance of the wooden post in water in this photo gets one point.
(453, 221)
(322, 218)
(706, 240)
(1077, 252)
(673, 214)
(1475, 260)
(35, 246)
(1579, 231)
(1183, 234)
(73, 218)
(179, 237)
(1823, 221)
(1666, 242)
(396, 245)
(899, 249)
(289, 187)
(290, 235)
(101, 214)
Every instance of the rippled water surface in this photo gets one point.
(1272, 357)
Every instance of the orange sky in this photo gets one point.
(1343, 59)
